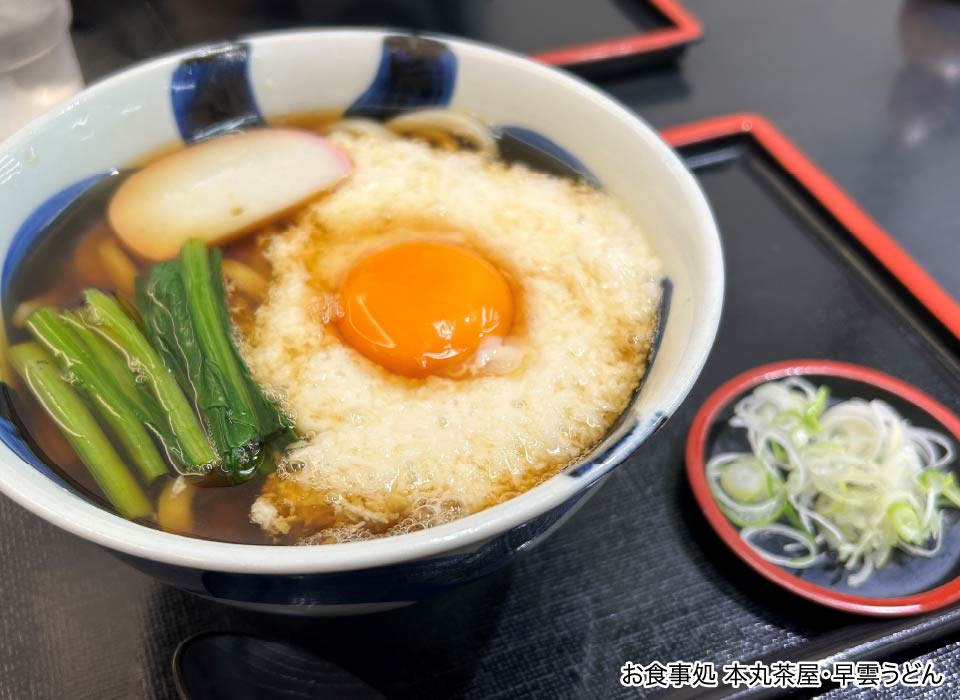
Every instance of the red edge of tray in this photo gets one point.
(685, 29)
(879, 243)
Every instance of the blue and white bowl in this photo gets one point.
(48, 166)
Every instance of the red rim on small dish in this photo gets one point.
(914, 604)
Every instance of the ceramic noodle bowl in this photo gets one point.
(539, 115)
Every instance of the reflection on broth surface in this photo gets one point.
(511, 380)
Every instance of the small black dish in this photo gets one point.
(906, 585)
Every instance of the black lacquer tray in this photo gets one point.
(592, 37)
(810, 274)
(637, 574)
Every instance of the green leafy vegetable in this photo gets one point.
(165, 373)
(162, 304)
(42, 376)
(271, 420)
(115, 364)
(184, 307)
(88, 373)
(107, 317)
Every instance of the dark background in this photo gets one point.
(870, 89)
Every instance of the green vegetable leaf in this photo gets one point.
(86, 371)
(184, 307)
(42, 377)
(109, 319)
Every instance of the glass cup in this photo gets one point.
(38, 65)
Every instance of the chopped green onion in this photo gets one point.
(746, 481)
(853, 477)
(905, 521)
(779, 452)
(815, 409)
(749, 499)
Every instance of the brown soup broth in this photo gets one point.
(73, 255)
(219, 513)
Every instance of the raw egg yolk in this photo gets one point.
(422, 308)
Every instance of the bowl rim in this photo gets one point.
(38, 494)
(729, 391)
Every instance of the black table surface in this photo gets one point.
(870, 89)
